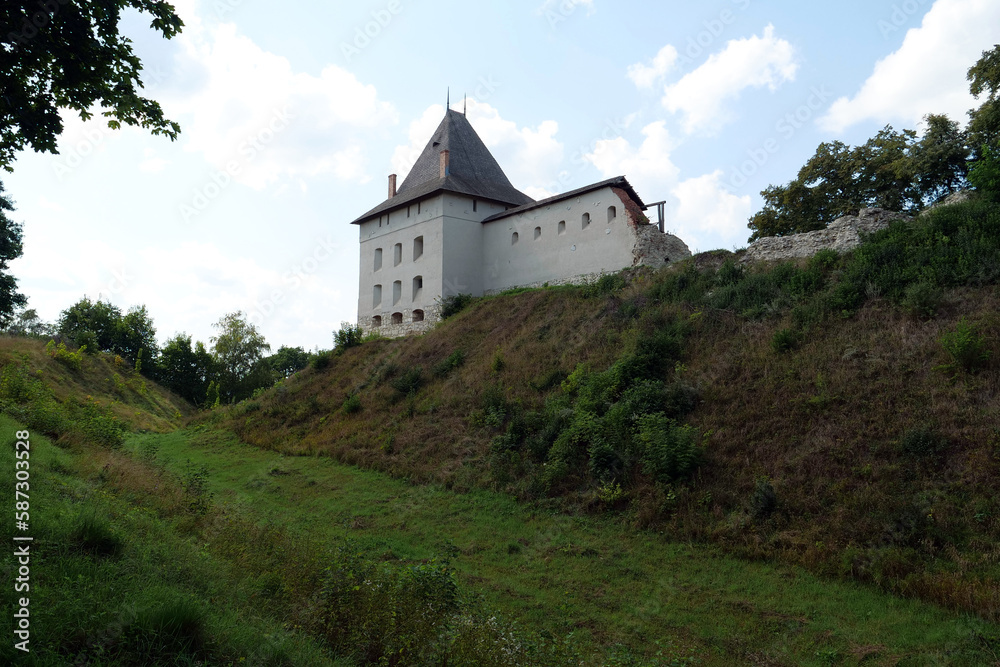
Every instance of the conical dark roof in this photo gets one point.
(472, 169)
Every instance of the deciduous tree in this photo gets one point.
(239, 351)
(68, 54)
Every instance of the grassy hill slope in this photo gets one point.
(843, 411)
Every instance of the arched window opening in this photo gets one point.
(612, 213)
(585, 221)
(377, 295)
(538, 233)
(418, 316)
(397, 291)
(378, 259)
(397, 254)
(377, 321)
(513, 238)
(418, 287)
(418, 247)
(397, 318)
(562, 227)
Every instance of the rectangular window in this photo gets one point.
(418, 247)
(377, 295)
(475, 205)
(397, 254)
(378, 259)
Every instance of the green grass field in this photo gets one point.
(609, 585)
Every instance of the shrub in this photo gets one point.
(922, 299)
(409, 382)
(453, 305)
(764, 500)
(609, 283)
(100, 426)
(966, 347)
(670, 452)
(785, 340)
(922, 441)
(349, 335)
(321, 360)
(352, 404)
(61, 354)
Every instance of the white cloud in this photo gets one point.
(152, 164)
(927, 73)
(252, 108)
(707, 216)
(530, 157)
(753, 62)
(647, 76)
(647, 167)
(699, 210)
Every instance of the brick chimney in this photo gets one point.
(392, 185)
(444, 163)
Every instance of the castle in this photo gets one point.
(456, 225)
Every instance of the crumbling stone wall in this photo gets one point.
(841, 235)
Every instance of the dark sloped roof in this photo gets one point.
(617, 181)
(472, 169)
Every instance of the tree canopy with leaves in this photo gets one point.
(894, 170)
(239, 352)
(102, 328)
(10, 249)
(68, 54)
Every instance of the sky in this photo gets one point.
(294, 115)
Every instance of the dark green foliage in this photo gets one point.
(609, 283)
(763, 501)
(984, 122)
(70, 55)
(348, 336)
(922, 441)
(288, 360)
(454, 304)
(10, 249)
(450, 363)
(195, 482)
(948, 247)
(238, 350)
(101, 327)
(984, 174)
(966, 347)
(321, 360)
(922, 299)
(99, 425)
(352, 404)
(409, 382)
(669, 452)
(212, 397)
(93, 535)
(173, 631)
(785, 340)
(185, 369)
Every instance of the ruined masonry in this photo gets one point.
(456, 225)
(841, 235)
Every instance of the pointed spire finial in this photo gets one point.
(447, 105)
(465, 105)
